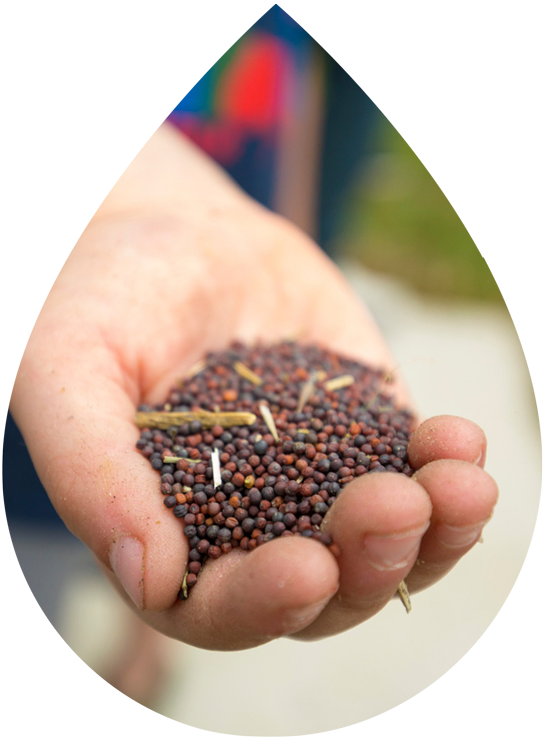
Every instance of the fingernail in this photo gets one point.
(127, 561)
(299, 618)
(478, 460)
(458, 536)
(389, 552)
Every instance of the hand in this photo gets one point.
(176, 262)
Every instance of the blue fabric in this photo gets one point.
(24, 498)
(189, 46)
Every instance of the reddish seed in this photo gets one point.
(213, 508)
(310, 451)
(306, 489)
(203, 546)
(252, 453)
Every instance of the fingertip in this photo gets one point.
(296, 577)
(462, 493)
(382, 503)
(246, 599)
(447, 437)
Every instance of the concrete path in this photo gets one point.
(465, 662)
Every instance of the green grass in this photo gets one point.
(456, 206)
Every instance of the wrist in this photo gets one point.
(214, 196)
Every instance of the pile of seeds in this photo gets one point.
(257, 442)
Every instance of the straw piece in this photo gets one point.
(342, 381)
(216, 475)
(269, 420)
(247, 373)
(307, 391)
(196, 368)
(164, 419)
(404, 595)
(184, 586)
(168, 460)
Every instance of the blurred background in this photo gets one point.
(452, 200)
(441, 236)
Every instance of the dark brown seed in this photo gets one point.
(270, 488)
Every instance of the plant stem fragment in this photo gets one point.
(404, 596)
(164, 420)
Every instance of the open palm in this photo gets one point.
(178, 262)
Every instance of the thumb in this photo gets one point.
(77, 421)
